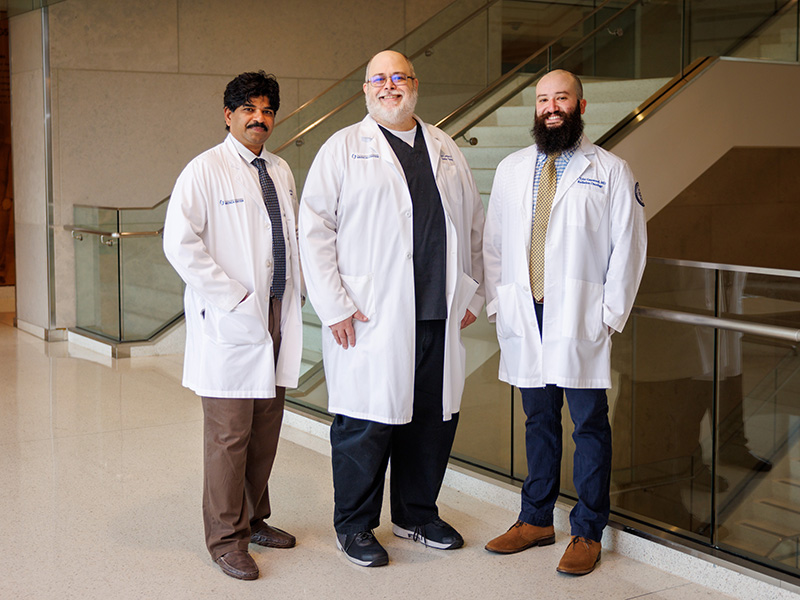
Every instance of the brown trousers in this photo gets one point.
(240, 440)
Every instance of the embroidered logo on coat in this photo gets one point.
(598, 183)
(364, 156)
(638, 193)
(234, 201)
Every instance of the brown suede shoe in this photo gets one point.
(580, 557)
(271, 537)
(238, 564)
(521, 536)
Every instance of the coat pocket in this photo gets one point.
(244, 325)
(582, 308)
(509, 311)
(361, 291)
(586, 210)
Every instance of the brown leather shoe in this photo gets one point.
(580, 557)
(238, 564)
(271, 537)
(521, 536)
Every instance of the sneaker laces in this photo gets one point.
(419, 531)
(364, 536)
(419, 535)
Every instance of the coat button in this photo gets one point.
(269, 263)
(408, 214)
(408, 254)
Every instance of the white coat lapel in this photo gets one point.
(434, 146)
(378, 144)
(244, 186)
(576, 166)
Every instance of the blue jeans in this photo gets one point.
(588, 409)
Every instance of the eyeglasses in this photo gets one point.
(397, 79)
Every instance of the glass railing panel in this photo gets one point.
(311, 392)
(777, 40)
(151, 290)
(759, 418)
(96, 273)
(717, 28)
(681, 288)
(661, 409)
(345, 89)
(484, 430)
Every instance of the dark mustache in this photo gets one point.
(259, 125)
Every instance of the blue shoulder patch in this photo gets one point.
(638, 193)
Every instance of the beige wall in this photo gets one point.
(744, 210)
(28, 148)
(137, 91)
(714, 113)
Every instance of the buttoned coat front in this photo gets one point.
(595, 252)
(218, 237)
(356, 243)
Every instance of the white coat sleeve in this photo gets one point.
(473, 202)
(493, 245)
(628, 250)
(319, 212)
(184, 226)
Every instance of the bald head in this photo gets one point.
(564, 80)
(392, 56)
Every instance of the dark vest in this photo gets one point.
(430, 241)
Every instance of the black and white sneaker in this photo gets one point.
(436, 534)
(362, 549)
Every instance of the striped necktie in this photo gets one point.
(541, 218)
(278, 245)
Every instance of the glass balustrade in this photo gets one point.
(125, 289)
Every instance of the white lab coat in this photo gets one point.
(218, 237)
(356, 243)
(595, 254)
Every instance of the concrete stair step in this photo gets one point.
(753, 536)
(783, 516)
(785, 491)
(522, 116)
(608, 91)
(480, 157)
(484, 179)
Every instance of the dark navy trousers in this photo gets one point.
(588, 409)
(419, 450)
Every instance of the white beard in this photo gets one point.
(393, 117)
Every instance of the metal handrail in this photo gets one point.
(680, 262)
(500, 81)
(156, 205)
(635, 118)
(425, 49)
(770, 331)
(77, 234)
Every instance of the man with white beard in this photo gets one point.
(390, 242)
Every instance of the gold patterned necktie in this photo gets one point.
(541, 217)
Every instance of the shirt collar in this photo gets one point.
(245, 152)
(565, 154)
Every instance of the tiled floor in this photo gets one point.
(100, 476)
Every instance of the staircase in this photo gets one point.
(508, 128)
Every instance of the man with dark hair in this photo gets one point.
(564, 252)
(390, 227)
(230, 233)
